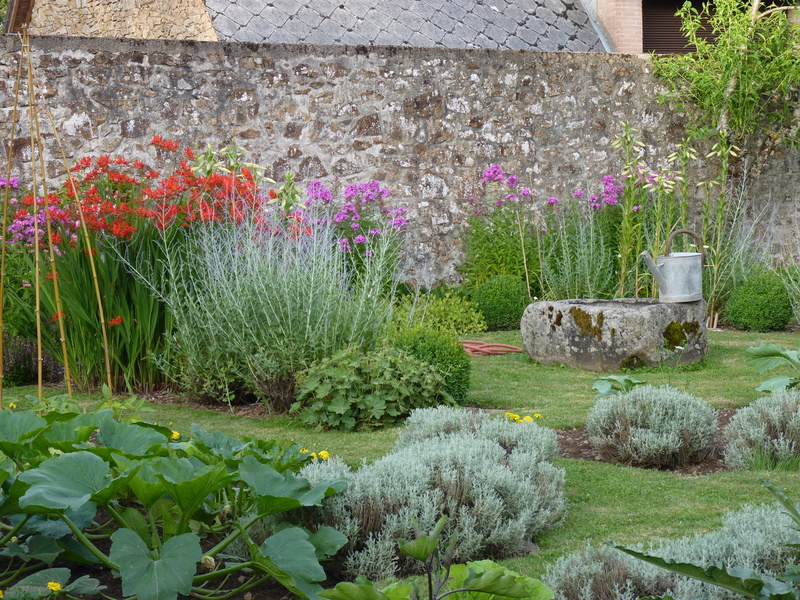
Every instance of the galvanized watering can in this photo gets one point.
(679, 275)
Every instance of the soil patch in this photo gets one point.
(574, 443)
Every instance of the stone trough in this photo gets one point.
(610, 335)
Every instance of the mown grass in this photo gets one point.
(605, 501)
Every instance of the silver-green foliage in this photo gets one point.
(765, 434)
(252, 308)
(752, 537)
(495, 482)
(652, 426)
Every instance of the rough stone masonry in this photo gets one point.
(423, 121)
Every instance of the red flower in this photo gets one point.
(273, 194)
(115, 321)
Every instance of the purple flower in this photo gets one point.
(596, 205)
(637, 208)
(359, 239)
(512, 197)
(398, 223)
(552, 200)
(367, 254)
(354, 226)
(512, 181)
(499, 202)
(12, 182)
(316, 191)
(577, 193)
(525, 191)
(374, 231)
(493, 173)
(344, 245)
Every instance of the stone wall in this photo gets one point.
(173, 19)
(425, 122)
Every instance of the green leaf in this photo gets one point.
(130, 439)
(423, 546)
(65, 482)
(277, 492)
(777, 384)
(217, 442)
(767, 356)
(16, 429)
(339, 405)
(351, 591)
(327, 541)
(739, 580)
(160, 577)
(291, 559)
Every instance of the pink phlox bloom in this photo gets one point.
(637, 208)
(525, 191)
(512, 197)
(344, 245)
(359, 239)
(493, 173)
(552, 200)
(577, 193)
(512, 181)
(374, 231)
(355, 226)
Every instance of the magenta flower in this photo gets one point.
(359, 239)
(637, 208)
(493, 173)
(552, 200)
(512, 181)
(577, 193)
(525, 191)
(344, 245)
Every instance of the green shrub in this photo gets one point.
(652, 427)
(441, 350)
(450, 313)
(501, 300)
(751, 538)
(497, 493)
(760, 303)
(765, 434)
(354, 389)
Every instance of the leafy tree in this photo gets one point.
(742, 82)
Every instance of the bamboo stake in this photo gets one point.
(89, 248)
(36, 257)
(52, 253)
(4, 234)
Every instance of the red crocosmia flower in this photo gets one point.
(273, 194)
(189, 153)
(104, 161)
(115, 321)
(51, 276)
(58, 316)
(137, 164)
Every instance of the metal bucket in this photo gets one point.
(679, 274)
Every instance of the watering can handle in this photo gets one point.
(695, 236)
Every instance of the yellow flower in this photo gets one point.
(527, 419)
(12, 406)
(54, 586)
(314, 456)
(537, 416)
(1, 593)
(512, 416)
(304, 450)
(324, 455)
(176, 435)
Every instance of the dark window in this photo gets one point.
(661, 29)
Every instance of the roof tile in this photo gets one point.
(512, 24)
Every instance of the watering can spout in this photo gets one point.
(654, 268)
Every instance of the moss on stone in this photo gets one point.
(677, 334)
(586, 324)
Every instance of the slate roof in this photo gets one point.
(503, 24)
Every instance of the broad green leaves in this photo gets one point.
(151, 575)
(66, 482)
(767, 357)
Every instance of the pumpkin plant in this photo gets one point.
(161, 513)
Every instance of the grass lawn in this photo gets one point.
(605, 501)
